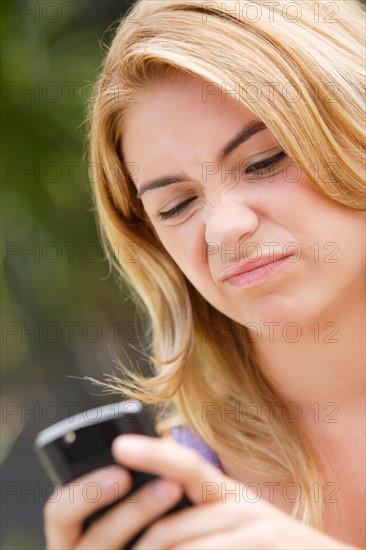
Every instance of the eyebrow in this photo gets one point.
(246, 133)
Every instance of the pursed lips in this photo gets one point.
(249, 265)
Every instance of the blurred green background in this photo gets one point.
(62, 312)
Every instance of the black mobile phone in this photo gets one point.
(82, 443)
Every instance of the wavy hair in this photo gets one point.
(302, 73)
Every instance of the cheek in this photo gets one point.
(186, 246)
(191, 257)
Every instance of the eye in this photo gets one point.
(256, 169)
(176, 210)
(264, 166)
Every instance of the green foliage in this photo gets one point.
(54, 270)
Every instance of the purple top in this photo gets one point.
(185, 436)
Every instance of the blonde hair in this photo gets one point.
(315, 109)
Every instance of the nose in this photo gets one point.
(230, 223)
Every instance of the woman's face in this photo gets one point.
(222, 203)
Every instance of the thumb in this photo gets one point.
(201, 481)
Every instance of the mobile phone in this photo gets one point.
(82, 443)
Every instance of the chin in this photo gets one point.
(275, 308)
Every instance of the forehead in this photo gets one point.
(185, 117)
(187, 92)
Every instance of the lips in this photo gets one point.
(250, 265)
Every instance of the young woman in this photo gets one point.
(227, 140)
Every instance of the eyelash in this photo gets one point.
(261, 165)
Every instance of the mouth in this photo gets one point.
(249, 274)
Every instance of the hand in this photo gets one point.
(217, 520)
(70, 505)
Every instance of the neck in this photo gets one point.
(318, 366)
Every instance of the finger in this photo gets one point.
(260, 536)
(70, 505)
(214, 542)
(115, 528)
(200, 479)
(193, 523)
